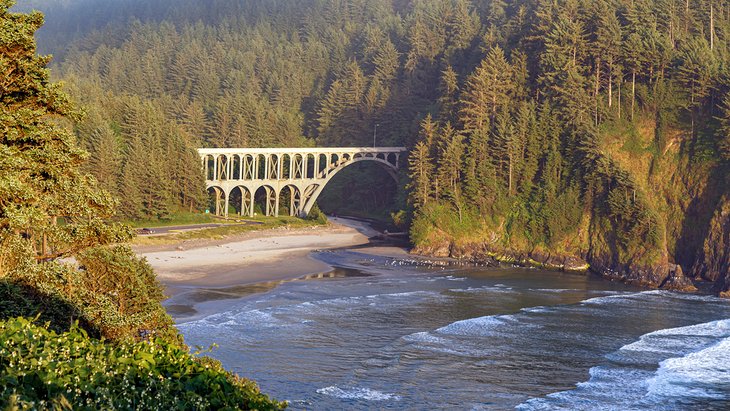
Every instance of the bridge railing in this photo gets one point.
(222, 164)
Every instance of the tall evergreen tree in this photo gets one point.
(41, 177)
(487, 90)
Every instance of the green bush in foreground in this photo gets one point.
(41, 369)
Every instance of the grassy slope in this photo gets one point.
(231, 228)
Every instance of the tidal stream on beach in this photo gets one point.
(388, 334)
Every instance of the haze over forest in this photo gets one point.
(588, 129)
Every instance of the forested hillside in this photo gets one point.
(94, 332)
(560, 132)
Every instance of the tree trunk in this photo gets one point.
(633, 92)
(610, 84)
(510, 176)
(620, 84)
(597, 86)
(712, 27)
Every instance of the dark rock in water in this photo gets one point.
(713, 260)
(676, 280)
(575, 264)
(440, 250)
(485, 254)
(661, 275)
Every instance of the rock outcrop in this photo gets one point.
(713, 259)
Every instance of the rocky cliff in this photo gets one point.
(713, 259)
(678, 236)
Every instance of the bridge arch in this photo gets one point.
(241, 199)
(220, 200)
(310, 200)
(270, 194)
(299, 174)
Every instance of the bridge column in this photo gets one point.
(215, 167)
(272, 202)
(219, 198)
(276, 203)
(240, 166)
(245, 202)
(295, 201)
(225, 206)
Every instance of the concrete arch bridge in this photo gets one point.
(296, 174)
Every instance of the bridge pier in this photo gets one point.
(303, 171)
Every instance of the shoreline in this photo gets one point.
(195, 272)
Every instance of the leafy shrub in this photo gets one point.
(121, 294)
(41, 369)
(317, 215)
(114, 294)
(436, 218)
(400, 219)
(17, 300)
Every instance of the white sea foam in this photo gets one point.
(696, 375)
(443, 345)
(693, 363)
(425, 337)
(478, 326)
(617, 298)
(538, 309)
(354, 393)
(491, 289)
(554, 290)
(452, 278)
(681, 340)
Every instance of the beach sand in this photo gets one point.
(195, 272)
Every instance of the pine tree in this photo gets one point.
(724, 135)
(105, 158)
(606, 50)
(488, 90)
(41, 177)
(463, 27)
(420, 171)
(451, 147)
(448, 100)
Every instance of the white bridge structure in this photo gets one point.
(295, 175)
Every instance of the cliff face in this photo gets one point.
(679, 233)
(600, 258)
(713, 259)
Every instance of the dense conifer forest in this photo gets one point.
(81, 320)
(597, 130)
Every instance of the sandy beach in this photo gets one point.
(198, 271)
(254, 256)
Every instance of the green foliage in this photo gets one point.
(114, 293)
(42, 369)
(315, 214)
(121, 295)
(500, 101)
(50, 208)
(40, 165)
(179, 218)
(439, 222)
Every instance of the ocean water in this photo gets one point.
(400, 336)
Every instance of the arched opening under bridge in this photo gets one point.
(362, 189)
